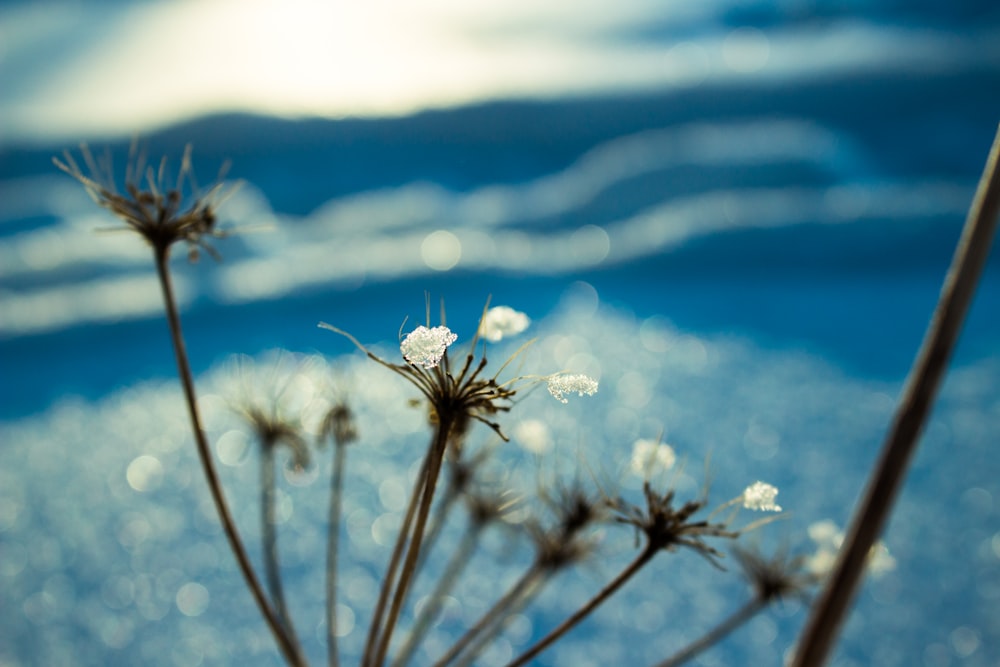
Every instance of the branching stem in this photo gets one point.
(289, 649)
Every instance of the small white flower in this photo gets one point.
(650, 457)
(760, 496)
(425, 347)
(502, 321)
(567, 384)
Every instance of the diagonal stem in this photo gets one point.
(914, 407)
(436, 458)
(717, 634)
(523, 585)
(460, 558)
(289, 649)
(644, 557)
(375, 630)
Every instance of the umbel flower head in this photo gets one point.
(668, 527)
(468, 394)
(162, 210)
(455, 398)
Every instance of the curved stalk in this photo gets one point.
(289, 649)
(717, 634)
(644, 557)
(914, 407)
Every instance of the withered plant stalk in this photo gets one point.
(928, 369)
(289, 648)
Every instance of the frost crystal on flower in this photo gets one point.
(425, 347)
(502, 321)
(650, 457)
(567, 384)
(760, 496)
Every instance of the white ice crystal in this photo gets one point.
(760, 496)
(502, 321)
(567, 384)
(425, 347)
(650, 457)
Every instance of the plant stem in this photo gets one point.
(915, 405)
(388, 580)
(500, 620)
(289, 649)
(528, 580)
(644, 557)
(450, 574)
(332, 551)
(738, 618)
(435, 459)
(269, 539)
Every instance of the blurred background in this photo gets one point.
(736, 214)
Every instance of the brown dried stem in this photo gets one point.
(915, 405)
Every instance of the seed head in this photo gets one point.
(162, 210)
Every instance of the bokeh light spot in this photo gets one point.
(144, 473)
(192, 599)
(441, 250)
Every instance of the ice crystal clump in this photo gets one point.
(652, 456)
(425, 347)
(502, 321)
(559, 385)
(760, 496)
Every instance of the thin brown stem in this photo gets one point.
(717, 634)
(430, 478)
(644, 557)
(388, 580)
(269, 540)
(928, 369)
(291, 652)
(460, 558)
(333, 550)
(499, 622)
(527, 581)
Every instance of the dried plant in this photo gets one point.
(568, 522)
